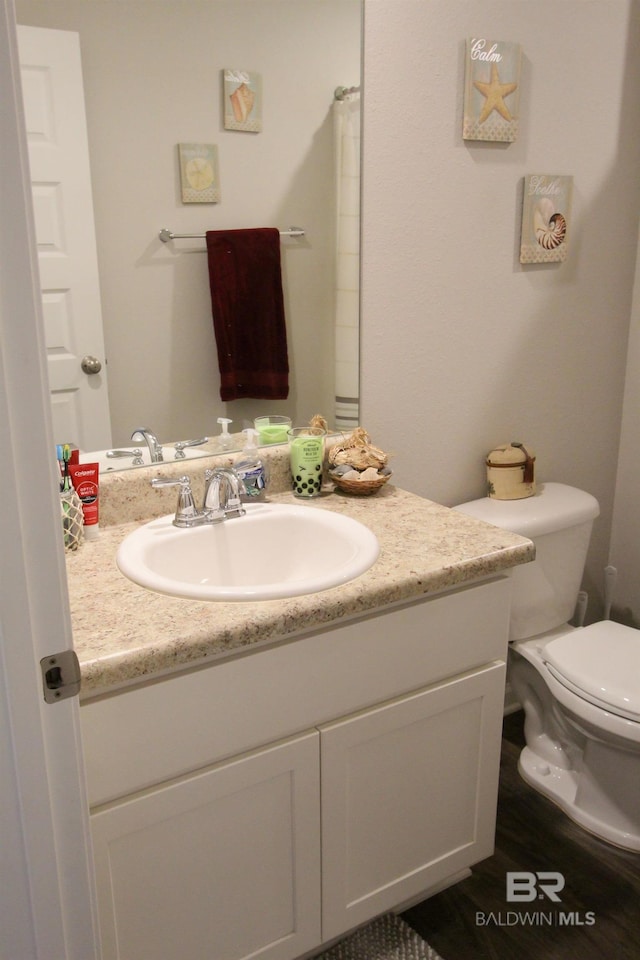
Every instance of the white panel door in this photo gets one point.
(409, 793)
(46, 900)
(65, 234)
(224, 864)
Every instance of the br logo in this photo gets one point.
(525, 886)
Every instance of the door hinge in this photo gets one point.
(60, 676)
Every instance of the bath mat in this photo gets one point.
(385, 938)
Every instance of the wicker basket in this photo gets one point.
(362, 488)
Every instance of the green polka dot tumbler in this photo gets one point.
(306, 452)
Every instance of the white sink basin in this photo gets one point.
(274, 551)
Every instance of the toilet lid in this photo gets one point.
(601, 663)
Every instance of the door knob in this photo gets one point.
(91, 365)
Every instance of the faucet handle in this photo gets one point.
(136, 453)
(181, 444)
(186, 513)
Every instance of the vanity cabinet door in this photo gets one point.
(409, 793)
(223, 864)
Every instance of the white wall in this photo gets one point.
(462, 347)
(152, 74)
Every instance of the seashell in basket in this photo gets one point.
(357, 451)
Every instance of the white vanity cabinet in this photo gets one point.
(222, 864)
(266, 804)
(408, 796)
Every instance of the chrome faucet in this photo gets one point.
(221, 498)
(222, 494)
(155, 447)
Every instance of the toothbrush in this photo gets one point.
(60, 459)
(65, 489)
(66, 456)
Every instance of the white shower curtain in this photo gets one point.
(346, 123)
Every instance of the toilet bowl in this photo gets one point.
(579, 687)
(581, 751)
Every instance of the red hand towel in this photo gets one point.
(248, 313)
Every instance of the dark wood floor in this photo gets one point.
(534, 835)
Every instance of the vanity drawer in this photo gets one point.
(164, 729)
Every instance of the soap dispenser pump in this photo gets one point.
(225, 439)
(251, 470)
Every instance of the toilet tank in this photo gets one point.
(559, 520)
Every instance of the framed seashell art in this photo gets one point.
(545, 218)
(242, 91)
(491, 90)
(199, 176)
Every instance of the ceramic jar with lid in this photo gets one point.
(511, 471)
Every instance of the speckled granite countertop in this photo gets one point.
(124, 633)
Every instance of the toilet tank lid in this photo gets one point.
(553, 507)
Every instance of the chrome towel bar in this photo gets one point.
(166, 235)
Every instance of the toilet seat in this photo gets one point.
(601, 664)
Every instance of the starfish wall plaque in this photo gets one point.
(492, 88)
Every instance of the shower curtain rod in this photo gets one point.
(166, 235)
(341, 92)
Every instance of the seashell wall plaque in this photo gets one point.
(545, 218)
(491, 90)
(242, 100)
(199, 176)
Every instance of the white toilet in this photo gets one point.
(580, 687)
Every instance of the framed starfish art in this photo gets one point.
(492, 90)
